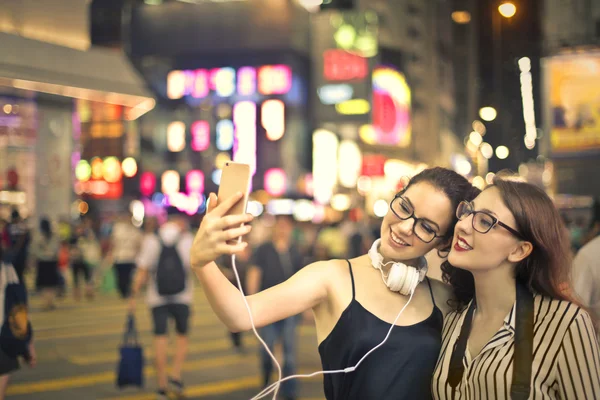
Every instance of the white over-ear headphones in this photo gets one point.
(401, 278)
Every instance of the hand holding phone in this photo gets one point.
(223, 226)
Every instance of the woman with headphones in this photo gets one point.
(355, 301)
(518, 333)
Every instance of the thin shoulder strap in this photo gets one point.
(351, 278)
(431, 291)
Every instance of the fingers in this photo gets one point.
(234, 233)
(230, 249)
(211, 202)
(230, 221)
(225, 204)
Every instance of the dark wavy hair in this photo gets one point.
(455, 186)
(546, 270)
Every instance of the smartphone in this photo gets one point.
(235, 177)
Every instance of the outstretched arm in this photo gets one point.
(302, 291)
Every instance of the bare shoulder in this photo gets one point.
(442, 293)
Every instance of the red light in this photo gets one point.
(275, 181)
(373, 165)
(194, 181)
(147, 183)
(200, 136)
(339, 65)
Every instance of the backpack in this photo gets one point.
(170, 272)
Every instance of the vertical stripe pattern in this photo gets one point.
(566, 357)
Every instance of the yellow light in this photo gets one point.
(111, 170)
(273, 118)
(341, 202)
(475, 138)
(129, 167)
(170, 182)
(83, 207)
(83, 171)
(175, 84)
(7, 108)
(353, 107)
(325, 164)
(478, 126)
(349, 163)
(176, 136)
(461, 17)
(502, 152)
(507, 9)
(486, 150)
(488, 113)
(97, 165)
(221, 159)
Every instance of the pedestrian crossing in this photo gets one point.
(77, 349)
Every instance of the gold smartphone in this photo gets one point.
(235, 177)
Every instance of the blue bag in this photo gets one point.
(131, 365)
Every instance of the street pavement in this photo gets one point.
(77, 347)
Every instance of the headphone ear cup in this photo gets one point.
(397, 277)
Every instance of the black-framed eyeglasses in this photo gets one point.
(422, 228)
(483, 221)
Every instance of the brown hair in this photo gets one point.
(455, 186)
(546, 269)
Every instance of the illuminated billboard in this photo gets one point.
(344, 50)
(391, 124)
(572, 86)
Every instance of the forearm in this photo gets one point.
(138, 281)
(225, 299)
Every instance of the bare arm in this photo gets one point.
(141, 276)
(253, 280)
(302, 291)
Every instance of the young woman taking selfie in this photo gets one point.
(518, 334)
(355, 301)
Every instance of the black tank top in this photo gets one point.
(400, 369)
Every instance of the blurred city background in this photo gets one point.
(116, 111)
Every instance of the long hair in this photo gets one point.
(455, 186)
(546, 270)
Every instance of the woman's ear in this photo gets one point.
(520, 252)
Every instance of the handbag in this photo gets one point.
(131, 364)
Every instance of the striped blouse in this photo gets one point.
(566, 359)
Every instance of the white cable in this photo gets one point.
(237, 278)
(275, 386)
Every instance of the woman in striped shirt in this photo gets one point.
(517, 333)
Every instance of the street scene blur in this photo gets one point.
(117, 117)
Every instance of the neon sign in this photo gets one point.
(244, 122)
(176, 136)
(194, 181)
(147, 183)
(274, 79)
(391, 110)
(334, 94)
(225, 134)
(225, 82)
(273, 118)
(275, 181)
(200, 136)
(339, 65)
(246, 81)
(170, 182)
